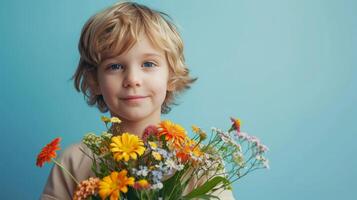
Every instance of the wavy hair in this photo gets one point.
(114, 31)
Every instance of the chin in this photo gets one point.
(133, 116)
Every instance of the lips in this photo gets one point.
(132, 97)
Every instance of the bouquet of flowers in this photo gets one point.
(165, 163)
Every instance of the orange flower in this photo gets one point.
(86, 188)
(172, 132)
(236, 123)
(115, 183)
(141, 184)
(48, 152)
(190, 147)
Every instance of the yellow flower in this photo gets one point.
(195, 129)
(153, 145)
(112, 119)
(195, 149)
(156, 155)
(127, 146)
(203, 135)
(115, 183)
(172, 132)
(199, 131)
(105, 119)
(115, 120)
(141, 184)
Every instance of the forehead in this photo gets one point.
(142, 47)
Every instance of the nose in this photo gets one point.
(132, 78)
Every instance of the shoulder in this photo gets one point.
(75, 156)
(74, 159)
(74, 150)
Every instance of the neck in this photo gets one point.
(134, 127)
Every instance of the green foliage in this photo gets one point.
(205, 188)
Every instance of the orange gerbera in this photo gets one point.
(115, 183)
(189, 147)
(48, 152)
(172, 132)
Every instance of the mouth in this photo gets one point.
(133, 100)
(133, 97)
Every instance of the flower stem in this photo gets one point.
(65, 170)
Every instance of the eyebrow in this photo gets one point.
(151, 54)
(143, 55)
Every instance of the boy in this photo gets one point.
(132, 65)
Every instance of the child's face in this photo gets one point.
(134, 84)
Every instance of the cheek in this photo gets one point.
(109, 86)
(159, 87)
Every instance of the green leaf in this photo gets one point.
(172, 186)
(205, 196)
(205, 188)
(131, 194)
(94, 197)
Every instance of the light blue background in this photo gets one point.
(286, 68)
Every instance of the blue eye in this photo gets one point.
(115, 66)
(149, 64)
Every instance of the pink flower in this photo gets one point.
(254, 140)
(243, 135)
(150, 130)
(262, 148)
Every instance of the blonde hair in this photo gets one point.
(115, 30)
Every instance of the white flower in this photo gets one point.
(208, 162)
(243, 135)
(259, 157)
(235, 144)
(225, 137)
(262, 148)
(158, 185)
(266, 163)
(143, 171)
(254, 140)
(160, 166)
(171, 164)
(180, 167)
(238, 158)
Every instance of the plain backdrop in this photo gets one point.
(287, 68)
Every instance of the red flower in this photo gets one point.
(48, 152)
(150, 130)
(236, 123)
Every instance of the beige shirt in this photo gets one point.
(60, 186)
